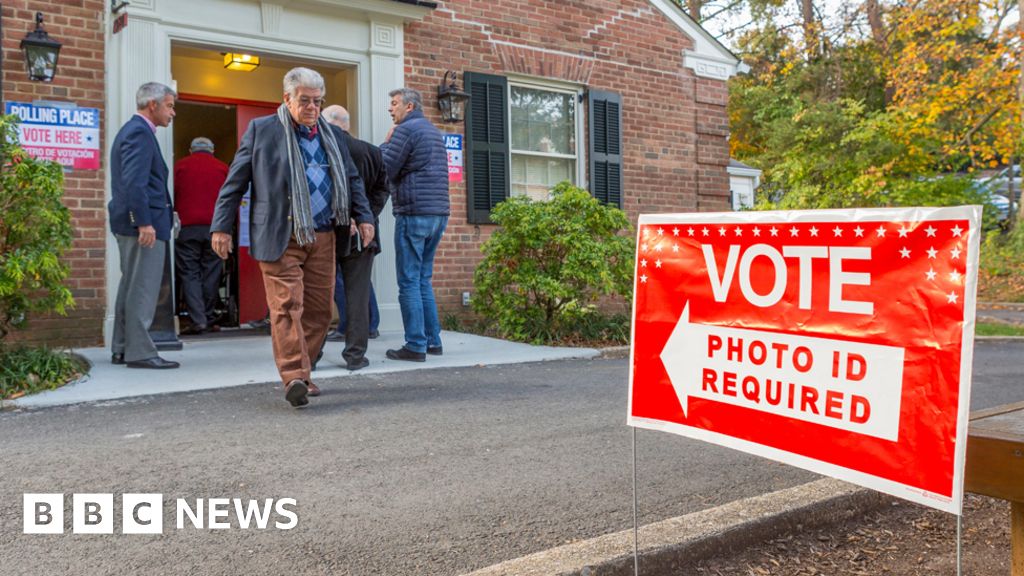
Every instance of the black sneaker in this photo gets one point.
(435, 350)
(404, 353)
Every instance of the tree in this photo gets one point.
(898, 95)
(35, 230)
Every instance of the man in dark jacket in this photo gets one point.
(303, 184)
(417, 163)
(355, 263)
(140, 217)
(197, 180)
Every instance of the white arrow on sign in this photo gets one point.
(847, 385)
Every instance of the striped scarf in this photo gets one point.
(302, 214)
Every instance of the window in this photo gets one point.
(543, 146)
(522, 139)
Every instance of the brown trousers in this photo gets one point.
(300, 289)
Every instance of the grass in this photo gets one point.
(26, 370)
(998, 329)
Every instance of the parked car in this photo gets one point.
(993, 192)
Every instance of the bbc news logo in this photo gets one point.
(144, 513)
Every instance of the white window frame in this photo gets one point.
(550, 86)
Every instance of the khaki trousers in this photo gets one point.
(300, 289)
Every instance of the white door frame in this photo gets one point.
(372, 41)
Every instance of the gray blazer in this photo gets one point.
(262, 163)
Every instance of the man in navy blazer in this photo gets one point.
(141, 219)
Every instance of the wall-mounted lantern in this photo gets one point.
(451, 100)
(41, 52)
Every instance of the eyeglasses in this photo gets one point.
(306, 102)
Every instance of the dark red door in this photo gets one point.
(252, 299)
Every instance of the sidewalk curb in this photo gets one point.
(678, 543)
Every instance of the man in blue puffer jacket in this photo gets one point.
(417, 164)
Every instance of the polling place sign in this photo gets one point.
(68, 136)
(839, 341)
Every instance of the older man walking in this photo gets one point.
(417, 162)
(303, 184)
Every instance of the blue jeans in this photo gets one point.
(339, 301)
(416, 240)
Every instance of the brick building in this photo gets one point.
(624, 98)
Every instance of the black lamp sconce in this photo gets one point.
(451, 100)
(41, 52)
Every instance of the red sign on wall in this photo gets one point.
(839, 341)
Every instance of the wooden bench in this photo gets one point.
(995, 467)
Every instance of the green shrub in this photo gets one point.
(1001, 266)
(35, 230)
(26, 370)
(545, 268)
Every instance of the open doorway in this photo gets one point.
(218, 104)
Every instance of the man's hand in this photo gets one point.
(221, 242)
(147, 236)
(366, 229)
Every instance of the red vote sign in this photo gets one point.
(839, 341)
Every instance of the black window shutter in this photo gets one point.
(605, 110)
(487, 145)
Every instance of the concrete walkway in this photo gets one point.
(239, 360)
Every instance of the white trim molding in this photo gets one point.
(709, 58)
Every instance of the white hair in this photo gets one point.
(409, 96)
(151, 92)
(305, 78)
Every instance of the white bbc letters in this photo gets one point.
(92, 513)
(43, 513)
(142, 514)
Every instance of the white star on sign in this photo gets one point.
(905, 253)
(951, 297)
(643, 278)
(858, 231)
(880, 231)
(675, 231)
(930, 274)
(955, 253)
(661, 232)
(721, 231)
(793, 231)
(957, 230)
(657, 248)
(774, 231)
(643, 263)
(930, 231)
(739, 231)
(689, 231)
(932, 252)
(757, 232)
(657, 263)
(705, 231)
(675, 248)
(814, 231)
(837, 231)
(903, 231)
(954, 276)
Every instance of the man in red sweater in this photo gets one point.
(197, 181)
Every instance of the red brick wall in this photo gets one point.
(675, 125)
(78, 25)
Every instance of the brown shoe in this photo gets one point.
(312, 389)
(295, 393)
